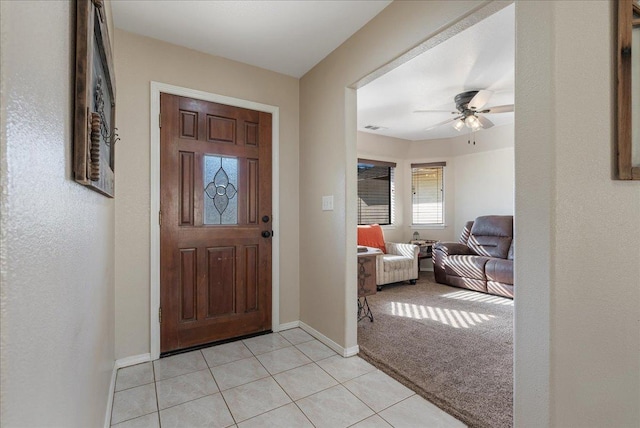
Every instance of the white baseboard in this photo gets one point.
(345, 352)
(133, 360)
(112, 388)
(288, 325)
(118, 364)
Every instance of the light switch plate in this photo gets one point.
(327, 203)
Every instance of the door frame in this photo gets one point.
(154, 226)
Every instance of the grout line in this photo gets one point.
(155, 385)
(272, 376)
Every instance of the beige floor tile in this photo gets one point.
(266, 343)
(288, 416)
(179, 364)
(344, 369)
(378, 390)
(283, 359)
(180, 389)
(134, 402)
(416, 411)
(316, 350)
(296, 335)
(147, 421)
(254, 398)
(238, 373)
(210, 411)
(304, 381)
(227, 353)
(374, 421)
(132, 376)
(335, 407)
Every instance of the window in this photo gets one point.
(375, 192)
(427, 189)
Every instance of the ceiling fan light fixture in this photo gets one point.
(472, 122)
(458, 125)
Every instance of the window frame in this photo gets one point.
(442, 214)
(391, 189)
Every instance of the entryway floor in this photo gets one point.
(286, 379)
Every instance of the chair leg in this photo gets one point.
(412, 281)
(379, 287)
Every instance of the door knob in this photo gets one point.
(266, 234)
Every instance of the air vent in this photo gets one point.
(374, 127)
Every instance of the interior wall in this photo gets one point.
(479, 178)
(57, 241)
(139, 61)
(572, 368)
(327, 296)
(576, 325)
(379, 147)
(484, 186)
(591, 207)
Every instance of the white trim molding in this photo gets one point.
(288, 326)
(156, 89)
(118, 364)
(345, 352)
(112, 390)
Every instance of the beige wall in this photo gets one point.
(327, 296)
(484, 186)
(379, 147)
(595, 360)
(140, 60)
(57, 260)
(576, 335)
(479, 179)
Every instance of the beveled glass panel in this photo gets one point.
(220, 190)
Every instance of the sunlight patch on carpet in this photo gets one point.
(450, 317)
(478, 297)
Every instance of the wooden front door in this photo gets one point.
(215, 227)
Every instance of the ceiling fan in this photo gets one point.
(470, 108)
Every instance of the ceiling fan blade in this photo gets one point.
(444, 122)
(499, 109)
(436, 111)
(480, 99)
(486, 123)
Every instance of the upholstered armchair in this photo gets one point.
(399, 261)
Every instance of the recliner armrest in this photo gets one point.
(452, 248)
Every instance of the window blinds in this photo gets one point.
(375, 191)
(427, 188)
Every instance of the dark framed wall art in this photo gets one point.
(95, 100)
(628, 90)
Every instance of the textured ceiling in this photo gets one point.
(480, 57)
(288, 37)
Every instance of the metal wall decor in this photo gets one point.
(94, 129)
(628, 90)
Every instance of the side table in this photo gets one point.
(366, 280)
(426, 248)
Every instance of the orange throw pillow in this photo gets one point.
(371, 236)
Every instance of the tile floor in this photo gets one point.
(286, 379)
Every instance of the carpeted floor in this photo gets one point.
(452, 346)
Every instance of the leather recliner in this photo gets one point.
(483, 258)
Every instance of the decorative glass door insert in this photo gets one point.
(220, 191)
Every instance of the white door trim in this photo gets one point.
(154, 305)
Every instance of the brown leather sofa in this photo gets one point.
(482, 260)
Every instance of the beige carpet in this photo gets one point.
(452, 346)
